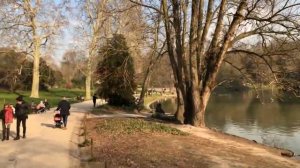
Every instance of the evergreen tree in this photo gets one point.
(116, 73)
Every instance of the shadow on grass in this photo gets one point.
(108, 109)
(117, 112)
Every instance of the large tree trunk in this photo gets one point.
(180, 107)
(88, 81)
(36, 57)
(194, 89)
(214, 62)
(200, 115)
(187, 106)
(36, 69)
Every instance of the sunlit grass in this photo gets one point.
(53, 96)
(150, 99)
(133, 125)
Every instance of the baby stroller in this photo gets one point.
(57, 120)
(41, 110)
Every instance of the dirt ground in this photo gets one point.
(45, 146)
(201, 148)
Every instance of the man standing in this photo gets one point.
(64, 108)
(21, 113)
(94, 100)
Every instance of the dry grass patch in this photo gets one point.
(136, 142)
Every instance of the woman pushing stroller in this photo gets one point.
(64, 108)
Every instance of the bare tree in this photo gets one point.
(215, 28)
(30, 24)
(91, 31)
(156, 53)
(101, 20)
(73, 63)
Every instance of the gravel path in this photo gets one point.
(45, 146)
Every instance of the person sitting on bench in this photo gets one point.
(40, 107)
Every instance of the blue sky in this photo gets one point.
(64, 41)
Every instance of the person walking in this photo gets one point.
(94, 100)
(7, 118)
(21, 113)
(64, 108)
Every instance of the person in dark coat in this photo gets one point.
(2, 117)
(94, 100)
(159, 109)
(22, 109)
(64, 108)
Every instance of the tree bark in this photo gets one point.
(215, 60)
(145, 86)
(180, 107)
(35, 75)
(88, 80)
(199, 119)
(36, 60)
(193, 93)
(188, 106)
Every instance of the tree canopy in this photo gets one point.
(16, 71)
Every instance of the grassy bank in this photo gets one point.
(155, 97)
(138, 142)
(53, 96)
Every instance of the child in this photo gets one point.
(7, 119)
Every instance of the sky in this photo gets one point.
(65, 40)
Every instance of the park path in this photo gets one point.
(45, 146)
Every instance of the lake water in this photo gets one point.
(264, 120)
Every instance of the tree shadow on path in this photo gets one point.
(48, 125)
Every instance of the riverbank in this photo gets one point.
(274, 124)
(136, 146)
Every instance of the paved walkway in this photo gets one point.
(45, 146)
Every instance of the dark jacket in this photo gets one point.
(94, 98)
(2, 115)
(22, 110)
(64, 107)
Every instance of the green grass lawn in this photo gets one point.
(53, 96)
(155, 97)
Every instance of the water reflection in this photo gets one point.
(262, 119)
